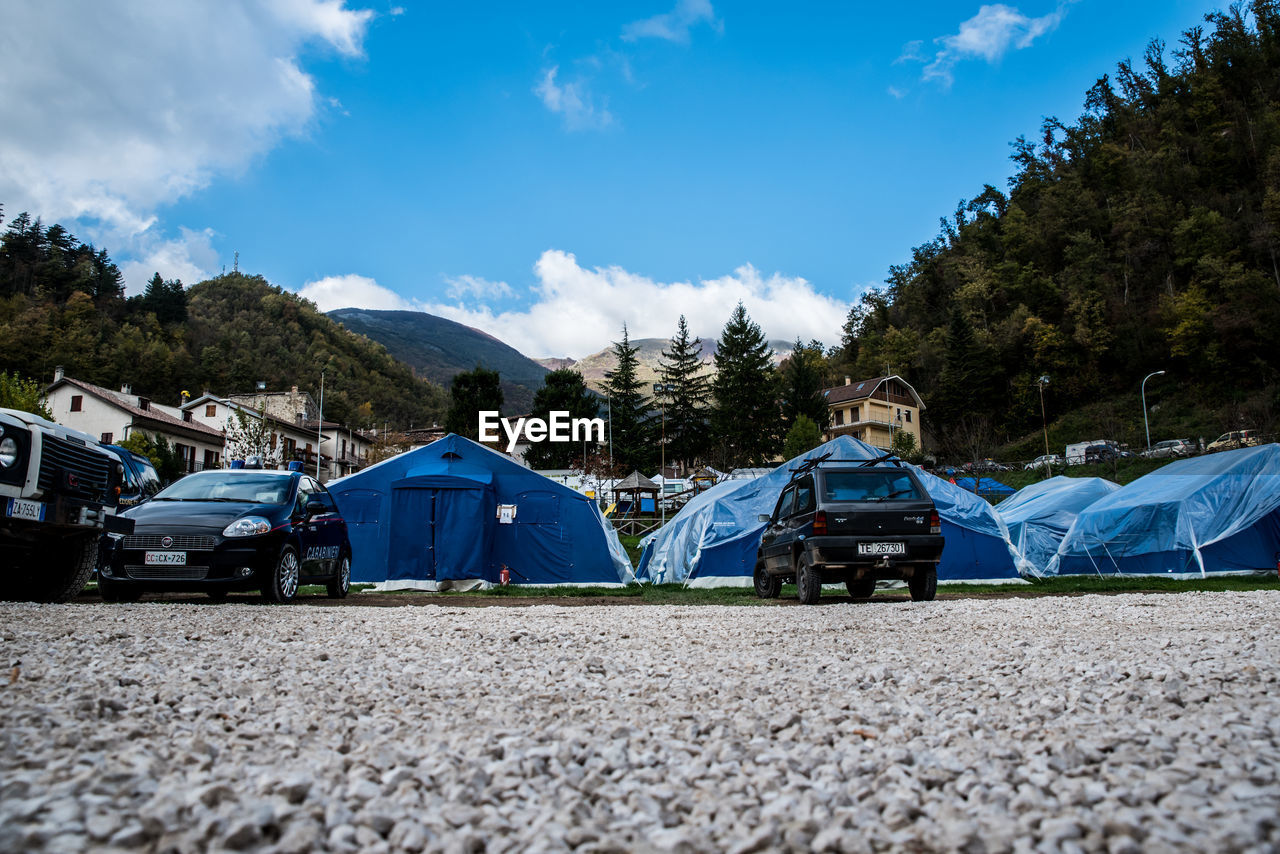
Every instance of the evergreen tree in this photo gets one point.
(802, 385)
(804, 435)
(631, 430)
(562, 391)
(470, 393)
(167, 300)
(745, 414)
(688, 390)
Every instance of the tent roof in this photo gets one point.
(635, 481)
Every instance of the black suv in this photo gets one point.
(851, 521)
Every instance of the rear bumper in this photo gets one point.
(843, 554)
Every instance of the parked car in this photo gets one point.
(1235, 439)
(1100, 454)
(141, 482)
(850, 522)
(1044, 460)
(1171, 448)
(223, 530)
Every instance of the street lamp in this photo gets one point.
(1044, 423)
(659, 391)
(608, 394)
(1145, 423)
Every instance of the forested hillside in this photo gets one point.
(62, 303)
(1142, 237)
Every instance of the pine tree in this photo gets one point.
(745, 414)
(562, 391)
(802, 385)
(631, 430)
(470, 393)
(687, 392)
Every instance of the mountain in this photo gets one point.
(593, 367)
(439, 349)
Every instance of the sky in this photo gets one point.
(546, 172)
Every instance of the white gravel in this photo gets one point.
(1124, 723)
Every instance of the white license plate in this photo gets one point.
(165, 558)
(20, 509)
(882, 548)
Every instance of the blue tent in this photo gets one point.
(984, 486)
(1039, 515)
(454, 513)
(1217, 513)
(712, 541)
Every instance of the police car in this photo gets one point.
(232, 529)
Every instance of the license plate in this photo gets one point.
(165, 558)
(19, 509)
(882, 548)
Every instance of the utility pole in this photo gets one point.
(320, 426)
(1044, 424)
(1144, 404)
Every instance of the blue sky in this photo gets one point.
(545, 172)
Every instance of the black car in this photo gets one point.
(852, 522)
(1100, 454)
(219, 531)
(140, 482)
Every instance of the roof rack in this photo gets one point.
(814, 462)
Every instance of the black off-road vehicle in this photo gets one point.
(851, 521)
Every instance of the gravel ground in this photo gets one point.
(1116, 723)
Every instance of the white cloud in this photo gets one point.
(673, 26)
(170, 96)
(577, 311)
(573, 101)
(987, 35)
(475, 287)
(352, 291)
(190, 258)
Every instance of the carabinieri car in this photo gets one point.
(232, 529)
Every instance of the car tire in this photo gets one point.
(808, 581)
(115, 592)
(767, 586)
(340, 586)
(282, 584)
(72, 559)
(860, 588)
(923, 584)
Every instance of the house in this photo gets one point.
(113, 415)
(873, 410)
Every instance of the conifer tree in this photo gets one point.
(563, 391)
(471, 392)
(688, 390)
(802, 385)
(633, 447)
(745, 415)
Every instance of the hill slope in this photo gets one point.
(649, 356)
(439, 349)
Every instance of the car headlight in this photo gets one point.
(8, 452)
(249, 526)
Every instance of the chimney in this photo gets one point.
(58, 374)
(294, 391)
(144, 404)
(848, 380)
(125, 389)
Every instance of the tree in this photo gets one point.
(803, 436)
(248, 435)
(802, 385)
(164, 456)
(471, 393)
(24, 394)
(631, 430)
(562, 391)
(688, 390)
(745, 416)
(166, 299)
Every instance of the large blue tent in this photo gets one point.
(454, 513)
(712, 541)
(1219, 513)
(1038, 516)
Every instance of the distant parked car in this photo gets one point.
(1235, 439)
(1043, 460)
(1171, 448)
(1100, 454)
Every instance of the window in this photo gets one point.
(839, 417)
(784, 503)
(186, 416)
(908, 416)
(77, 402)
(105, 438)
(211, 410)
(211, 459)
(804, 496)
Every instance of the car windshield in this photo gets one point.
(264, 488)
(868, 486)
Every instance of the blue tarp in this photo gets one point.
(712, 541)
(1039, 515)
(428, 519)
(1218, 513)
(984, 486)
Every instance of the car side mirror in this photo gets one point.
(315, 508)
(763, 517)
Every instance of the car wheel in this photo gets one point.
(60, 571)
(924, 584)
(283, 583)
(767, 586)
(114, 591)
(860, 588)
(808, 581)
(341, 584)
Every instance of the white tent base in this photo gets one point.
(471, 584)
